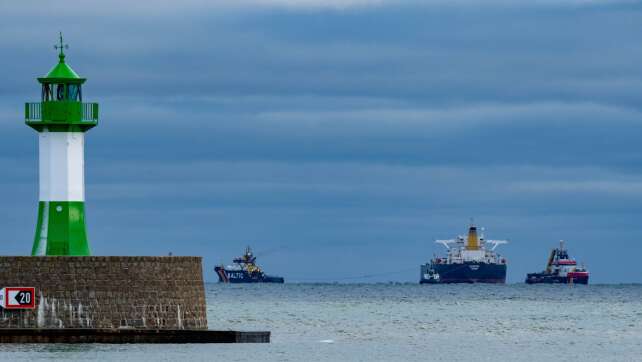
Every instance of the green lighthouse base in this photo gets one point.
(61, 229)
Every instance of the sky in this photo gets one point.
(340, 138)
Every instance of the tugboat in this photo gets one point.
(560, 268)
(469, 260)
(244, 270)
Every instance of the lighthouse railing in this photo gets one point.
(33, 111)
(90, 111)
(87, 112)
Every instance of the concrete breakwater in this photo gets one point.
(126, 335)
(107, 292)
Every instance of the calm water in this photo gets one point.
(386, 322)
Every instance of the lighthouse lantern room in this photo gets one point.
(61, 120)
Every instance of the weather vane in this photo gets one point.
(61, 46)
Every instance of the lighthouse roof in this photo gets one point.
(61, 71)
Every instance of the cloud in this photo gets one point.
(633, 188)
(458, 117)
(339, 127)
(167, 6)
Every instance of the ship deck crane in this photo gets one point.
(496, 243)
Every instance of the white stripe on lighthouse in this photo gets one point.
(62, 166)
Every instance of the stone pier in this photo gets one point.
(107, 292)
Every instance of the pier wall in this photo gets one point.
(107, 292)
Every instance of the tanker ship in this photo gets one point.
(244, 270)
(560, 268)
(469, 260)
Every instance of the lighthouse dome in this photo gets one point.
(62, 71)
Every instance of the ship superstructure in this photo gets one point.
(244, 270)
(560, 268)
(470, 259)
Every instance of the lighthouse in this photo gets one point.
(61, 120)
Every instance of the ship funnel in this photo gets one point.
(473, 240)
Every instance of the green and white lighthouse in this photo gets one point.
(61, 120)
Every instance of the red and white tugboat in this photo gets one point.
(560, 269)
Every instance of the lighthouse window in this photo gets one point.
(60, 91)
(46, 93)
(74, 92)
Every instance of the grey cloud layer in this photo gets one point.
(341, 127)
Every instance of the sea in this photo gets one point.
(399, 322)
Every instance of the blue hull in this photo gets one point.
(242, 276)
(468, 272)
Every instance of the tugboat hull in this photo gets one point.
(243, 276)
(571, 278)
(468, 272)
